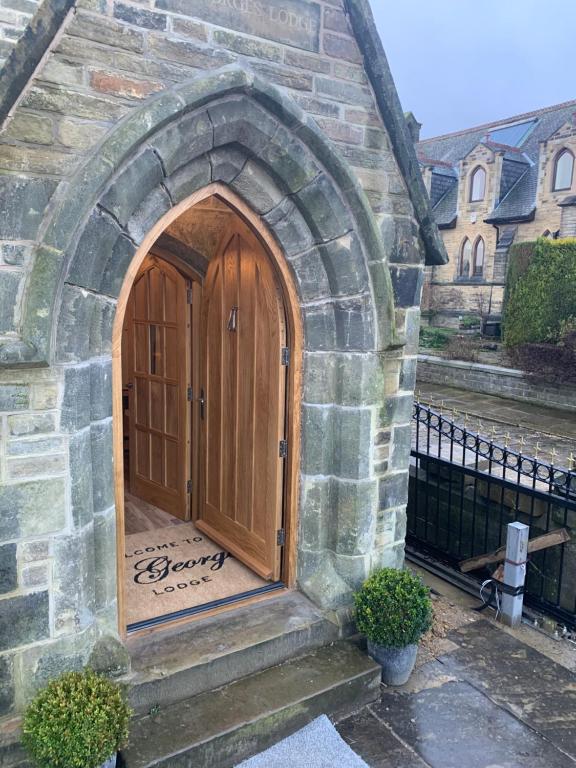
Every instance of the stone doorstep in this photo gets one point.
(220, 728)
(176, 664)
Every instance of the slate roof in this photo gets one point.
(517, 198)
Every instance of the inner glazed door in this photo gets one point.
(243, 402)
(157, 332)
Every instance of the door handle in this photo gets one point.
(130, 385)
(233, 319)
(202, 402)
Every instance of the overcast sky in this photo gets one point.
(460, 63)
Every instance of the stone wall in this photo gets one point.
(15, 15)
(494, 380)
(134, 107)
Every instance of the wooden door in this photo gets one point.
(157, 328)
(244, 384)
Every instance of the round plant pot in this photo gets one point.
(110, 763)
(397, 663)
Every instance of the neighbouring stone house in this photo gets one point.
(196, 195)
(490, 186)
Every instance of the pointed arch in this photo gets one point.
(465, 258)
(477, 184)
(563, 170)
(479, 257)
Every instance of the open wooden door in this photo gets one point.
(244, 382)
(157, 329)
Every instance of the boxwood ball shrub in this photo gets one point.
(393, 608)
(78, 720)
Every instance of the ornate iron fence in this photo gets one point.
(465, 489)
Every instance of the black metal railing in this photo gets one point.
(465, 489)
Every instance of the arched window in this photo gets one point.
(465, 258)
(563, 170)
(477, 184)
(478, 269)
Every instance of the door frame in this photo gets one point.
(293, 384)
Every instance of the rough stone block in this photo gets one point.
(227, 162)
(35, 575)
(76, 398)
(35, 445)
(354, 323)
(356, 507)
(41, 663)
(408, 374)
(319, 327)
(72, 104)
(80, 459)
(294, 79)
(100, 389)
(101, 323)
(290, 160)
(396, 410)
(14, 397)
(257, 188)
(35, 466)
(23, 424)
(148, 214)
(73, 582)
(32, 508)
(349, 93)
(247, 46)
(407, 283)
(189, 28)
(131, 187)
(184, 141)
(310, 276)
(190, 178)
(103, 30)
(318, 440)
(320, 381)
(315, 512)
(9, 284)
(342, 48)
(93, 250)
(24, 620)
(44, 395)
(345, 265)
(7, 689)
(140, 17)
(109, 657)
(73, 333)
(36, 129)
(23, 202)
(290, 228)
(8, 568)
(105, 558)
(352, 442)
(15, 254)
(186, 52)
(322, 208)
(240, 121)
(117, 265)
(103, 480)
(393, 490)
(401, 445)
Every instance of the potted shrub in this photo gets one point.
(79, 720)
(393, 611)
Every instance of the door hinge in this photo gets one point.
(189, 394)
(283, 449)
(188, 486)
(188, 295)
(285, 356)
(281, 537)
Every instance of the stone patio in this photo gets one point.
(487, 699)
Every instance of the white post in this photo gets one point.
(515, 572)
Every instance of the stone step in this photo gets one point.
(173, 665)
(220, 728)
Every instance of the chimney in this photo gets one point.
(413, 127)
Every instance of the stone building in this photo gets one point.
(211, 257)
(491, 186)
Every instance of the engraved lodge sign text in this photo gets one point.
(293, 22)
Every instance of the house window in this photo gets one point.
(465, 259)
(478, 270)
(477, 185)
(563, 170)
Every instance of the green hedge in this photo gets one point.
(542, 293)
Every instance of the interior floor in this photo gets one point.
(171, 566)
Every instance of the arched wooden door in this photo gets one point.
(244, 389)
(156, 376)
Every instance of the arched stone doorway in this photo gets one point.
(232, 129)
(229, 447)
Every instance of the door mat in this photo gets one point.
(318, 745)
(178, 567)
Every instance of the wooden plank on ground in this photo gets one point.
(559, 536)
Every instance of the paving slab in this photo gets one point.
(536, 690)
(376, 744)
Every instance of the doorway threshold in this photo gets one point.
(200, 609)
